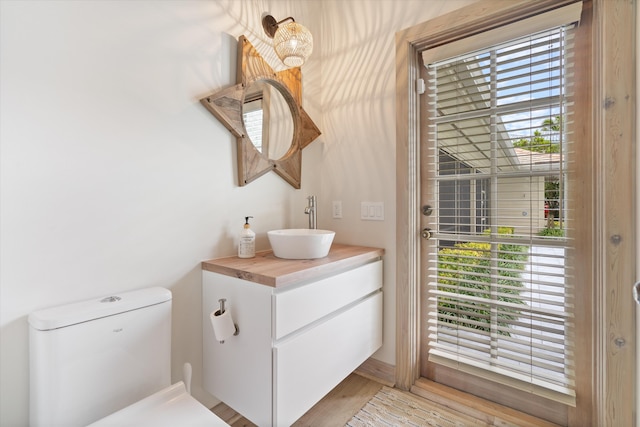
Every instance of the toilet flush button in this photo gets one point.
(110, 299)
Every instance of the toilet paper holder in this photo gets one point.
(220, 312)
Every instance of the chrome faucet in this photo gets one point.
(311, 211)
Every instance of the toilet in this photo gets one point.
(107, 362)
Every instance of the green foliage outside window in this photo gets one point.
(537, 143)
(543, 142)
(465, 269)
(552, 230)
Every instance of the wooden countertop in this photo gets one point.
(269, 270)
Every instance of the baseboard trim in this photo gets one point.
(376, 370)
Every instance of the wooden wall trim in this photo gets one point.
(379, 371)
(582, 222)
(614, 63)
(473, 19)
(407, 220)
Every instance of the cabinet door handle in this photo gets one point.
(636, 292)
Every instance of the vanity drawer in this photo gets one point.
(307, 366)
(298, 307)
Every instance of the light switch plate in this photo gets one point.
(372, 211)
(337, 209)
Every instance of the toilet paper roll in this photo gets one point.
(223, 326)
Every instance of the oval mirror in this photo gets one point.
(267, 119)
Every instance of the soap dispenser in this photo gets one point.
(247, 244)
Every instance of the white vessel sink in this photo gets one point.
(300, 243)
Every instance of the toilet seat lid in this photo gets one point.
(171, 406)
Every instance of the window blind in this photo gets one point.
(499, 277)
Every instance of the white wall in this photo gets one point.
(114, 177)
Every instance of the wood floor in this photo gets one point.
(334, 410)
(348, 397)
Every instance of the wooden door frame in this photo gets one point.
(611, 385)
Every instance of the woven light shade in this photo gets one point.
(293, 44)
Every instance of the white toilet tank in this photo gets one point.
(92, 358)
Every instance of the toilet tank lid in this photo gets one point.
(84, 311)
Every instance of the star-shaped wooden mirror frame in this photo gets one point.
(226, 106)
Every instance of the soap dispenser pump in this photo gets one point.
(247, 244)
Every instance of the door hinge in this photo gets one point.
(420, 86)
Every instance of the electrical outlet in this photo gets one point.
(337, 209)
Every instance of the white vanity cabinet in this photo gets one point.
(298, 336)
